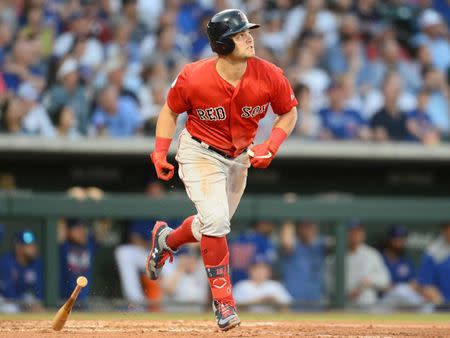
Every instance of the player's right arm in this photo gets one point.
(177, 102)
(165, 129)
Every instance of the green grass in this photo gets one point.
(408, 318)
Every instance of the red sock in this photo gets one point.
(182, 234)
(216, 259)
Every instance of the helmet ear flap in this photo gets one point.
(225, 46)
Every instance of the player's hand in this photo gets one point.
(260, 155)
(164, 170)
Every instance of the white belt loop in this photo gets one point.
(204, 145)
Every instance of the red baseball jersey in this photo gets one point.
(224, 116)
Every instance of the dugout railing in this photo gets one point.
(49, 207)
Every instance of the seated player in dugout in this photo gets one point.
(77, 250)
(21, 274)
(224, 97)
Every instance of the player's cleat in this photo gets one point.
(160, 251)
(226, 315)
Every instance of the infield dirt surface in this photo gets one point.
(277, 325)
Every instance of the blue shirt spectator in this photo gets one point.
(76, 258)
(189, 17)
(303, 264)
(116, 116)
(21, 271)
(248, 246)
(421, 118)
(338, 60)
(420, 126)
(443, 7)
(338, 122)
(432, 36)
(437, 106)
(344, 124)
(438, 109)
(434, 270)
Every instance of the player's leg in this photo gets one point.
(205, 177)
(237, 181)
(184, 233)
(165, 241)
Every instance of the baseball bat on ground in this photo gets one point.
(64, 311)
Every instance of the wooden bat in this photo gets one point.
(64, 311)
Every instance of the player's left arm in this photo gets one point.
(262, 155)
(287, 121)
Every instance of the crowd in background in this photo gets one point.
(361, 70)
(289, 266)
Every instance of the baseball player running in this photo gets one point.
(224, 97)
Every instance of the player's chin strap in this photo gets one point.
(252, 154)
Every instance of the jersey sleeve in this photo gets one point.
(282, 96)
(178, 98)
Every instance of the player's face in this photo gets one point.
(244, 45)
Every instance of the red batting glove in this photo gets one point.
(262, 155)
(164, 170)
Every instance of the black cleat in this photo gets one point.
(160, 251)
(226, 315)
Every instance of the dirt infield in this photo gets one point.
(206, 328)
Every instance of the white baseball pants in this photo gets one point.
(214, 184)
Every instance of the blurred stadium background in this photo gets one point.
(354, 213)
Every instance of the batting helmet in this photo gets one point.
(225, 24)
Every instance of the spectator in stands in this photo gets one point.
(131, 13)
(36, 28)
(259, 293)
(340, 123)
(364, 100)
(306, 71)
(437, 106)
(6, 35)
(390, 122)
(121, 46)
(12, 115)
(187, 273)
(21, 274)
(65, 122)
(152, 93)
(403, 291)
(433, 35)
(21, 66)
(76, 256)
(166, 49)
(391, 60)
(434, 271)
(308, 126)
(252, 243)
(303, 264)
(274, 37)
(115, 70)
(366, 275)
(36, 120)
(79, 28)
(69, 91)
(419, 124)
(347, 55)
(115, 116)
